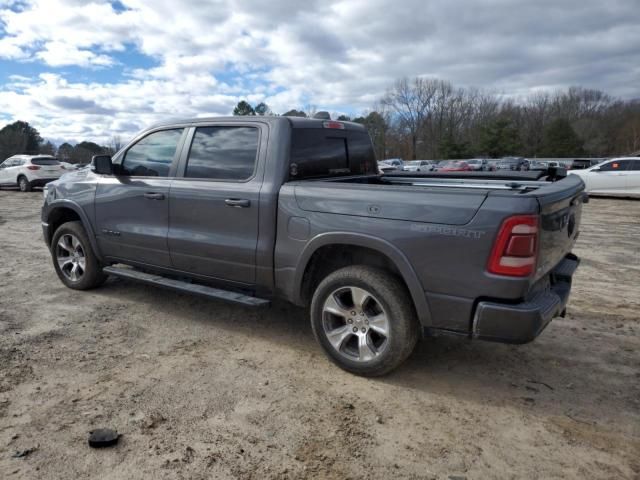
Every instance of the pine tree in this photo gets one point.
(243, 109)
(561, 140)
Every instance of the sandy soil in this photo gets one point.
(201, 389)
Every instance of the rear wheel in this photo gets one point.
(24, 184)
(364, 320)
(73, 258)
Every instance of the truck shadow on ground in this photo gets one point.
(561, 373)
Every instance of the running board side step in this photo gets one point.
(186, 287)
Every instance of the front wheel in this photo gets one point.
(364, 320)
(73, 258)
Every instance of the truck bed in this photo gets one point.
(480, 203)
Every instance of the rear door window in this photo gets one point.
(223, 153)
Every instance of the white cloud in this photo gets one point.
(57, 54)
(332, 54)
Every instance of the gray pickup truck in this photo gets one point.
(250, 209)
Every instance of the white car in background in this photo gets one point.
(618, 176)
(478, 164)
(394, 162)
(418, 166)
(28, 171)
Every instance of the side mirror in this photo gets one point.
(102, 164)
(596, 169)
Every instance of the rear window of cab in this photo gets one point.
(326, 152)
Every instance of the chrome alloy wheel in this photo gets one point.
(70, 257)
(355, 324)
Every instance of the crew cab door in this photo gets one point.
(132, 206)
(213, 204)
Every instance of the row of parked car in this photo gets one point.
(617, 176)
(482, 164)
(473, 164)
(28, 171)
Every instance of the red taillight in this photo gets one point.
(330, 124)
(514, 251)
(33, 167)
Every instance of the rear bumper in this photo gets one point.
(522, 322)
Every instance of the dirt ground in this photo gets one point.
(201, 389)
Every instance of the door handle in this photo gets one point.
(154, 196)
(238, 202)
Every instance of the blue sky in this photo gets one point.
(91, 69)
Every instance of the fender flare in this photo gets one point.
(373, 243)
(70, 205)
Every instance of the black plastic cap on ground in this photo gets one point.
(103, 437)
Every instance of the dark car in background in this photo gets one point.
(583, 163)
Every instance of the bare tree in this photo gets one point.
(310, 110)
(433, 118)
(536, 115)
(411, 102)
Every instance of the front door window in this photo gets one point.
(152, 155)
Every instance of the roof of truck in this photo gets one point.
(296, 122)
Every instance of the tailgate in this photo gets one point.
(560, 213)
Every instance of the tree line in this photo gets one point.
(432, 119)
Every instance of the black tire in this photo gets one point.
(395, 301)
(24, 184)
(92, 275)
